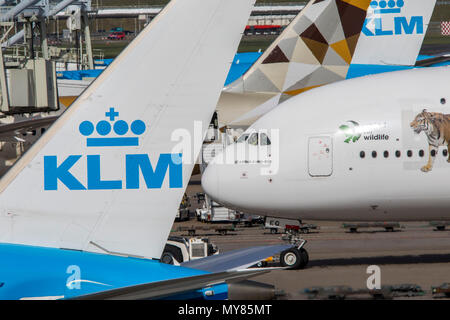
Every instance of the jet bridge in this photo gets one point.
(28, 71)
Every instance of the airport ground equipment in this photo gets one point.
(250, 220)
(192, 231)
(388, 226)
(441, 291)
(279, 225)
(221, 229)
(200, 196)
(440, 225)
(346, 292)
(201, 213)
(214, 212)
(179, 250)
(183, 213)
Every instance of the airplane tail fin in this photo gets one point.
(314, 49)
(392, 36)
(109, 174)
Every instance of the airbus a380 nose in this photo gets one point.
(373, 148)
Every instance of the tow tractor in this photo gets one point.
(179, 249)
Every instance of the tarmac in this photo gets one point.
(413, 254)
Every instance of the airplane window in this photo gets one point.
(443, 101)
(398, 154)
(242, 138)
(264, 139)
(253, 139)
(433, 153)
(444, 152)
(362, 154)
(386, 154)
(409, 153)
(421, 153)
(374, 154)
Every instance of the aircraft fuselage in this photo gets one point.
(354, 150)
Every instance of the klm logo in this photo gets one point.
(383, 11)
(135, 164)
(104, 127)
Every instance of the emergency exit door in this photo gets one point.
(320, 156)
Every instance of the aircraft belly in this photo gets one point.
(380, 196)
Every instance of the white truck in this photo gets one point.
(214, 212)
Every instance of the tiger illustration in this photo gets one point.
(437, 128)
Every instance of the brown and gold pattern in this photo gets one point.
(315, 49)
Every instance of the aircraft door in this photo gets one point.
(320, 156)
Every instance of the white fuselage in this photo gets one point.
(314, 167)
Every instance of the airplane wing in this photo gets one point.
(162, 289)
(236, 259)
(10, 132)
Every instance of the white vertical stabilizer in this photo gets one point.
(393, 32)
(106, 174)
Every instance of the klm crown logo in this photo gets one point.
(387, 20)
(104, 129)
(384, 7)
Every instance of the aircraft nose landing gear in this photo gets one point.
(296, 257)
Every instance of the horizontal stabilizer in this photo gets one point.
(236, 259)
(163, 289)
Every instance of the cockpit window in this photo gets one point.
(242, 138)
(253, 139)
(264, 140)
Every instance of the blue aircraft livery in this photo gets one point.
(55, 276)
(401, 24)
(56, 169)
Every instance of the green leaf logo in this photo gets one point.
(349, 129)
